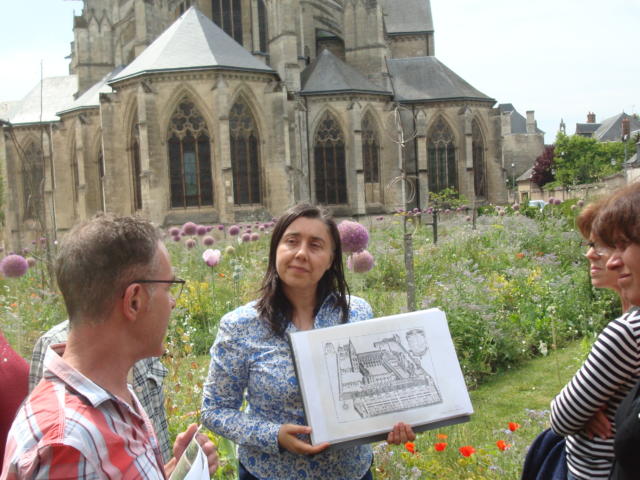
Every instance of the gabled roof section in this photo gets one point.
(426, 79)
(403, 17)
(57, 93)
(91, 98)
(192, 42)
(586, 129)
(610, 130)
(518, 122)
(329, 75)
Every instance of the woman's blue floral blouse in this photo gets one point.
(247, 355)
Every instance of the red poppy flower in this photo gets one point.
(513, 426)
(502, 445)
(410, 446)
(520, 255)
(440, 446)
(467, 450)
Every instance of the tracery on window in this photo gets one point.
(329, 162)
(136, 169)
(245, 155)
(371, 159)
(227, 14)
(441, 158)
(33, 178)
(479, 166)
(190, 177)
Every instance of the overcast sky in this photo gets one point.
(561, 58)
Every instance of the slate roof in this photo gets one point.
(329, 75)
(192, 42)
(518, 122)
(91, 98)
(586, 129)
(407, 16)
(610, 130)
(57, 93)
(526, 175)
(426, 79)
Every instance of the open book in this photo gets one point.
(359, 379)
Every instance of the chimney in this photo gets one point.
(626, 128)
(591, 117)
(531, 122)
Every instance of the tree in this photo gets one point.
(543, 168)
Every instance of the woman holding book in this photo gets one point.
(304, 288)
(584, 411)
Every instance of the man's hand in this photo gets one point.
(401, 433)
(598, 425)
(287, 438)
(180, 445)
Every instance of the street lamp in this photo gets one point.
(513, 180)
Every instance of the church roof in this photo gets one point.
(426, 79)
(91, 98)
(57, 93)
(518, 122)
(6, 109)
(192, 42)
(610, 130)
(407, 16)
(328, 74)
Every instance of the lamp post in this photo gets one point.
(513, 181)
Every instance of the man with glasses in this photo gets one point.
(83, 420)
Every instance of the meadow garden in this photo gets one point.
(515, 289)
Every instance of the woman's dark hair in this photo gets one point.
(273, 305)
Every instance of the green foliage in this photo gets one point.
(448, 198)
(581, 160)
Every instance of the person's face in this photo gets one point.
(625, 261)
(304, 254)
(601, 276)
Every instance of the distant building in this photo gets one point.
(217, 111)
(610, 130)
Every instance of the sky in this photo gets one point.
(560, 58)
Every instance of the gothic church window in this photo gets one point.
(329, 161)
(101, 179)
(441, 158)
(479, 167)
(33, 177)
(245, 155)
(262, 26)
(190, 179)
(227, 14)
(136, 169)
(371, 159)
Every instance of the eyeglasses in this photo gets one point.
(175, 288)
(598, 249)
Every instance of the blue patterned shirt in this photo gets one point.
(247, 355)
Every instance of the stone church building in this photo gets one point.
(232, 110)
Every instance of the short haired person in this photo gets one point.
(304, 288)
(83, 420)
(147, 377)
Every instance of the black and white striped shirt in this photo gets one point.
(610, 371)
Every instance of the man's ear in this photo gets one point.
(133, 300)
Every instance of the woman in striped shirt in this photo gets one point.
(585, 408)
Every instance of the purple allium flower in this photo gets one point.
(234, 230)
(13, 266)
(25, 250)
(380, 218)
(262, 228)
(190, 243)
(552, 201)
(209, 228)
(246, 237)
(33, 242)
(360, 262)
(176, 238)
(221, 227)
(43, 240)
(31, 262)
(447, 211)
(468, 219)
(229, 250)
(430, 210)
(574, 207)
(201, 230)
(353, 235)
(211, 257)
(501, 213)
(248, 230)
(558, 201)
(208, 240)
(580, 203)
(516, 206)
(174, 231)
(189, 228)
(254, 237)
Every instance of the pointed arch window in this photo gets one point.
(479, 166)
(190, 177)
(227, 14)
(245, 155)
(329, 162)
(441, 158)
(75, 175)
(33, 175)
(262, 26)
(371, 159)
(136, 169)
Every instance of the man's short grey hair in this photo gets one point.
(99, 258)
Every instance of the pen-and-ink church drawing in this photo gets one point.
(230, 110)
(385, 378)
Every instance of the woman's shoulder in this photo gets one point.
(359, 308)
(243, 316)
